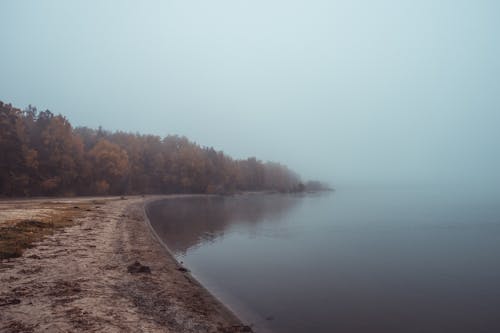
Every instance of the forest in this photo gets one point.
(43, 154)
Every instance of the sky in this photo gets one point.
(350, 92)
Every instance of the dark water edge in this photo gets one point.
(355, 261)
(176, 246)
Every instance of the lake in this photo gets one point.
(356, 260)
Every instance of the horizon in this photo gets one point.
(388, 93)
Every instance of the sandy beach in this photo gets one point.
(104, 272)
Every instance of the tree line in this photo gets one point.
(42, 154)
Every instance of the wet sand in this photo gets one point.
(83, 277)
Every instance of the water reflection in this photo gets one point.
(359, 261)
(188, 222)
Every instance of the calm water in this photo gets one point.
(352, 261)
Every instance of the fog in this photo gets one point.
(350, 92)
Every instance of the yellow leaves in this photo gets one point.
(42, 154)
(101, 187)
(110, 160)
(31, 158)
(50, 184)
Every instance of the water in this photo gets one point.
(352, 261)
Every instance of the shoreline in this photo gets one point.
(82, 277)
(224, 308)
(231, 304)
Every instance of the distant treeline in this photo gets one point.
(42, 154)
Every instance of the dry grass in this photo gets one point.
(18, 235)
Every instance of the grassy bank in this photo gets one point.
(18, 234)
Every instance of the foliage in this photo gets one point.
(42, 154)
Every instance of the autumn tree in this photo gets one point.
(59, 151)
(15, 156)
(41, 153)
(110, 167)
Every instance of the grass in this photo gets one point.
(23, 234)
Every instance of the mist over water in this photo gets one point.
(379, 260)
(355, 93)
(395, 103)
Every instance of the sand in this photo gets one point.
(78, 279)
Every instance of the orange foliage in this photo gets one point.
(41, 154)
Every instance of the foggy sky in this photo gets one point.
(352, 92)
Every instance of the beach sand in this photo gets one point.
(83, 278)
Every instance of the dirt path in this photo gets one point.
(79, 279)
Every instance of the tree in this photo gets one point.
(61, 153)
(41, 153)
(13, 151)
(110, 165)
